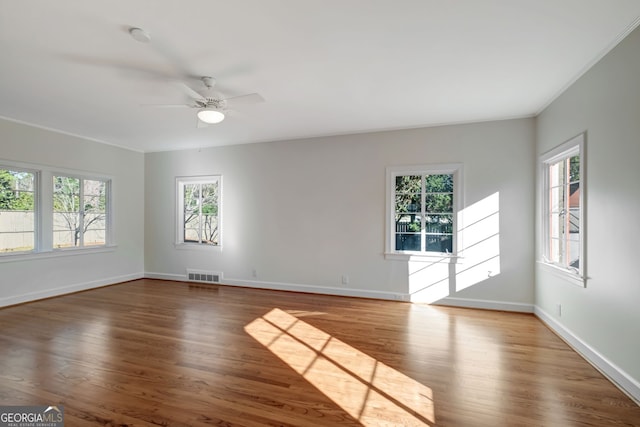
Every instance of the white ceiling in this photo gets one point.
(325, 67)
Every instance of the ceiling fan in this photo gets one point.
(213, 107)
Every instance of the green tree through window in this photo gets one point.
(17, 210)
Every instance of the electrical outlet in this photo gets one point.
(559, 309)
(345, 279)
(254, 273)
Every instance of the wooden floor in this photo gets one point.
(150, 352)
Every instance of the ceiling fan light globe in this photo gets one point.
(210, 116)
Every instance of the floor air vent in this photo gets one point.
(201, 276)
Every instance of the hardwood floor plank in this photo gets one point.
(152, 352)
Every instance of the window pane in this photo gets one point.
(441, 224)
(16, 190)
(408, 223)
(439, 183)
(191, 199)
(557, 199)
(66, 211)
(200, 205)
(439, 203)
(556, 174)
(574, 221)
(63, 238)
(210, 198)
(554, 250)
(192, 229)
(574, 169)
(210, 229)
(574, 195)
(560, 225)
(16, 231)
(407, 203)
(408, 242)
(17, 216)
(555, 225)
(209, 224)
(573, 250)
(95, 229)
(408, 184)
(95, 212)
(439, 243)
(560, 217)
(191, 206)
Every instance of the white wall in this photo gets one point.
(305, 213)
(37, 277)
(602, 319)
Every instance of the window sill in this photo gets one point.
(569, 275)
(55, 253)
(422, 257)
(197, 247)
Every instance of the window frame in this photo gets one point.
(392, 172)
(108, 233)
(572, 147)
(43, 213)
(179, 223)
(37, 224)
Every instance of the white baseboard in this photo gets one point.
(294, 287)
(486, 304)
(48, 293)
(326, 290)
(620, 378)
(163, 276)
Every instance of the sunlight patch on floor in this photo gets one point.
(368, 390)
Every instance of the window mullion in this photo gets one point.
(423, 213)
(567, 210)
(80, 230)
(200, 230)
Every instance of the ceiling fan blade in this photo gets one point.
(252, 98)
(127, 68)
(170, 105)
(191, 92)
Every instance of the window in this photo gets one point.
(17, 210)
(199, 211)
(79, 212)
(42, 211)
(563, 175)
(422, 208)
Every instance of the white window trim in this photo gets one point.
(37, 206)
(109, 208)
(43, 213)
(57, 253)
(434, 169)
(179, 219)
(575, 145)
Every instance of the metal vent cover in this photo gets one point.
(202, 276)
